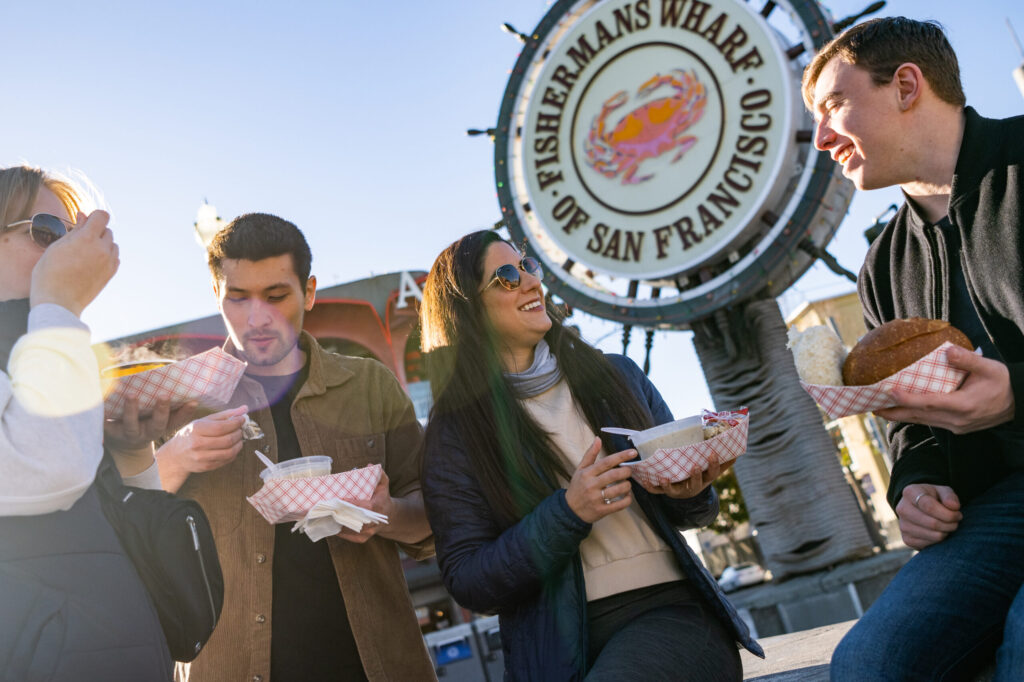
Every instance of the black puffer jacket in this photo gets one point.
(72, 606)
(531, 573)
(906, 274)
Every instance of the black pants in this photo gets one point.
(662, 632)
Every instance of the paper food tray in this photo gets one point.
(290, 499)
(673, 464)
(209, 378)
(930, 374)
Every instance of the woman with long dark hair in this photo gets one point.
(532, 516)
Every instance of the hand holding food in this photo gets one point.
(133, 431)
(984, 399)
(202, 445)
(382, 503)
(696, 483)
(681, 458)
(600, 486)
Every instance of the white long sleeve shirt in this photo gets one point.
(51, 415)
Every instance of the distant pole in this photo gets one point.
(1018, 73)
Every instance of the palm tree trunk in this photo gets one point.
(804, 511)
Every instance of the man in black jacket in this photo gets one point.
(890, 108)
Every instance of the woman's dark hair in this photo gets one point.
(514, 459)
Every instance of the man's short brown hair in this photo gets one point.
(255, 236)
(879, 46)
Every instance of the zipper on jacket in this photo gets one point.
(202, 567)
(941, 271)
(581, 591)
(971, 299)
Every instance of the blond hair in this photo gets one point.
(19, 187)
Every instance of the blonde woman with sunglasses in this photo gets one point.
(532, 516)
(73, 605)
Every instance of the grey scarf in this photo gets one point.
(541, 376)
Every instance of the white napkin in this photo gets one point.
(326, 518)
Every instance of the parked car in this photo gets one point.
(741, 575)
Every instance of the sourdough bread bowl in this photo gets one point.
(890, 347)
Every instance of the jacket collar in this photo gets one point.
(977, 154)
(321, 375)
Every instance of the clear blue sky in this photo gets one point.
(345, 117)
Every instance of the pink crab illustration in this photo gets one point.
(648, 131)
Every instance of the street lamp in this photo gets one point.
(207, 224)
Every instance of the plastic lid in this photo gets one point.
(301, 467)
(665, 429)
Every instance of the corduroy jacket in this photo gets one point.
(355, 411)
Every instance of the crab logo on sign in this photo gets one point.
(648, 131)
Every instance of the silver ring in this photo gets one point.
(606, 500)
(919, 496)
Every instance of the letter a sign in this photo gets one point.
(407, 287)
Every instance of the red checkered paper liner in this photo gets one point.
(673, 465)
(290, 499)
(930, 374)
(209, 377)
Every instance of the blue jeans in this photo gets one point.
(952, 606)
(664, 632)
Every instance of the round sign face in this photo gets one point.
(656, 135)
(651, 143)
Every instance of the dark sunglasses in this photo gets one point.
(508, 275)
(44, 228)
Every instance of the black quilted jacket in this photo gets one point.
(530, 573)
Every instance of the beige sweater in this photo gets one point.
(622, 552)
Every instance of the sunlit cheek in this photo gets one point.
(235, 317)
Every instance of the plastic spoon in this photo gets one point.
(616, 431)
(266, 460)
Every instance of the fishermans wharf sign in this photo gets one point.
(645, 148)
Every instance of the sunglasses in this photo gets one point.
(508, 275)
(44, 228)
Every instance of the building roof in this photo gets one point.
(377, 291)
